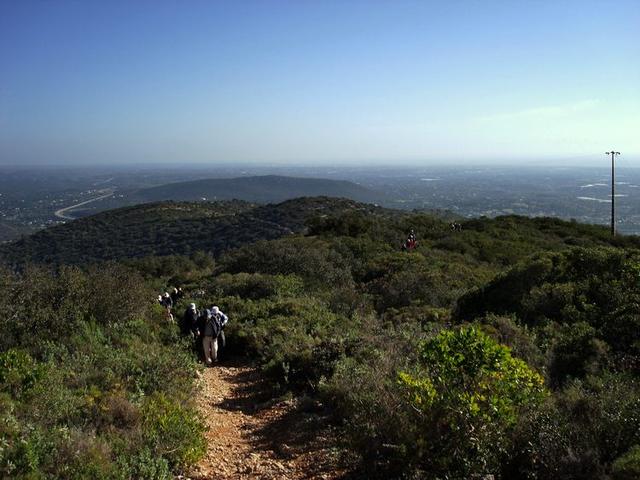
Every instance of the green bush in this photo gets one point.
(377, 421)
(310, 259)
(468, 392)
(144, 464)
(575, 352)
(19, 373)
(522, 340)
(256, 285)
(172, 431)
(296, 340)
(580, 432)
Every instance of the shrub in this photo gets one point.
(144, 464)
(579, 433)
(519, 338)
(575, 352)
(172, 431)
(256, 285)
(297, 340)
(377, 421)
(19, 373)
(468, 392)
(310, 259)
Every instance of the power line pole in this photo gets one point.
(613, 191)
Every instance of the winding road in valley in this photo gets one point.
(62, 212)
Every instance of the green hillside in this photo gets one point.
(169, 228)
(508, 348)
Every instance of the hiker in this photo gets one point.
(190, 324)
(174, 296)
(201, 324)
(410, 243)
(210, 338)
(215, 321)
(166, 301)
(167, 304)
(222, 340)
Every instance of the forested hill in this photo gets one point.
(168, 228)
(259, 189)
(183, 228)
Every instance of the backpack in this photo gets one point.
(216, 326)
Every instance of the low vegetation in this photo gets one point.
(94, 383)
(509, 348)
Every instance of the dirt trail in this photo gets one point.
(252, 437)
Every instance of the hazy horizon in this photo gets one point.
(319, 84)
(590, 162)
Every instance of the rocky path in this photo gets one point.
(252, 437)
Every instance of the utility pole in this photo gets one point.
(613, 154)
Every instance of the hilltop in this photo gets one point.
(258, 189)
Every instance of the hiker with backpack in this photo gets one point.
(215, 322)
(190, 323)
(222, 340)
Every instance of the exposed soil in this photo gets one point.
(251, 436)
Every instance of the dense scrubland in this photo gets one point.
(509, 348)
(169, 228)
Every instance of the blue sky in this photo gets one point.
(299, 82)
